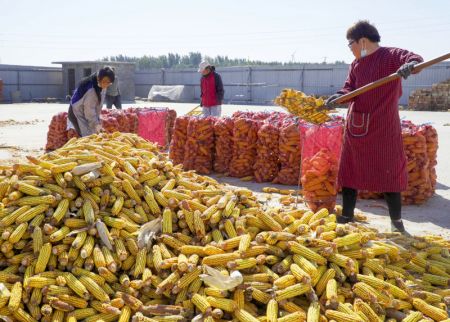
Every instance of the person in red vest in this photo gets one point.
(372, 157)
(211, 90)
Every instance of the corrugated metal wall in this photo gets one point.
(243, 85)
(260, 85)
(31, 81)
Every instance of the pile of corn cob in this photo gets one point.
(107, 229)
(308, 108)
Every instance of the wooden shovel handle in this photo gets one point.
(417, 68)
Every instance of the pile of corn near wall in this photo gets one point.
(79, 243)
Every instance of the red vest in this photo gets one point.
(208, 86)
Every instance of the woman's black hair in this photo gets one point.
(94, 78)
(363, 29)
(106, 72)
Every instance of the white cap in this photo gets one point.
(203, 66)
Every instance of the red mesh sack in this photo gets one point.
(321, 150)
(198, 153)
(223, 150)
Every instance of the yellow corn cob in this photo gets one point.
(31, 213)
(29, 189)
(199, 225)
(429, 310)
(260, 296)
(63, 167)
(59, 234)
(201, 303)
(313, 314)
(342, 317)
(244, 316)
(88, 247)
(269, 221)
(320, 287)
(40, 282)
(222, 303)
(22, 316)
(285, 281)
(11, 218)
(292, 291)
(43, 258)
(18, 233)
(61, 210)
(94, 288)
(368, 293)
(297, 248)
(272, 311)
(76, 286)
(219, 259)
(15, 297)
(141, 259)
(293, 317)
(81, 314)
(131, 192)
(366, 310)
(436, 279)
(380, 284)
(167, 221)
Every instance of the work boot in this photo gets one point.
(344, 219)
(397, 227)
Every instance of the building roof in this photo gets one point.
(94, 62)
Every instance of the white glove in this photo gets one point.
(332, 98)
(98, 128)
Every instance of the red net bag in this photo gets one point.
(266, 162)
(244, 147)
(152, 125)
(109, 123)
(289, 151)
(57, 131)
(431, 138)
(170, 124)
(223, 151)
(321, 150)
(415, 147)
(198, 153)
(177, 145)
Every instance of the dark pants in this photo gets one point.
(393, 200)
(113, 100)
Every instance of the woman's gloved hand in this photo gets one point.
(98, 128)
(332, 98)
(406, 69)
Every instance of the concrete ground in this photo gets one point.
(23, 131)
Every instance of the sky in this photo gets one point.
(41, 32)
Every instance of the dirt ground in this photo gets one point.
(23, 131)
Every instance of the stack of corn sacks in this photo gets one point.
(305, 107)
(71, 248)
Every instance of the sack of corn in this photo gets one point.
(177, 145)
(266, 161)
(289, 148)
(57, 131)
(223, 149)
(244, 147)
(198, 152)
(321, 150)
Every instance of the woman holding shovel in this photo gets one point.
(372, 156)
